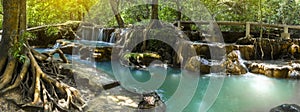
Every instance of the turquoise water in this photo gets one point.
(189, 92)
(250, 92)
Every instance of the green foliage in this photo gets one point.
(17, 50)
(52, 31)
(138, 11)
(28, 35)
(56, 11)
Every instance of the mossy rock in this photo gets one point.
(140, 59)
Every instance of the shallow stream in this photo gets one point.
(186, 91)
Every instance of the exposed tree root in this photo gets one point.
(2, 62)
(20, 77)
(8, 73)
(261, 48)
(272, 50)
(47, 91)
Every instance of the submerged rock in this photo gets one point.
(294, 74)
(151, 103)
(286, 108)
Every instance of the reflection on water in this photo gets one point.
(250, 92)
(255, 92)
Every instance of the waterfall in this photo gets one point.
(112, 38)
(82, 33)
(101, 34)
(123, 32)
(241, 60)
(57, 45)
(93, 34)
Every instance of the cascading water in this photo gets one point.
(93, 34)
(112, 37)
(56, 45)
(123, 32)
(241, 60)
(101, 34)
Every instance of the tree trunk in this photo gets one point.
(154, 23)
(19, 62)
(154, 14)
(10, 26)
(22, 17)
(179, 9)
(10, 38)
(114, 6)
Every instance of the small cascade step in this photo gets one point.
(95, 53)
(282, 70)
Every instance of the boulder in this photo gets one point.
(205, 49)
(202, 65)
(71, 48)
(286, 108)
(102, 54)
(230, 65)
(294, 74)
(294, 50)
(233, 64)
(139, 60)
(151, 102)
(277, 71)
(85, 53)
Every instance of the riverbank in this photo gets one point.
(89, 82)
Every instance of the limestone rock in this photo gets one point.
(85, 53)
(139, 60)
(202, 65)
(151, 103)
(294, 74)
(71, 48)
(276, 71)
(233, 64)
(294, 50)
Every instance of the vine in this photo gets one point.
(261, 30)
(17, 50)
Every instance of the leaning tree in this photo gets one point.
(21, 66)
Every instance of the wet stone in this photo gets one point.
(286, 108)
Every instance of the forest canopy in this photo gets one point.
(42, 12)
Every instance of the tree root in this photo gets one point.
(261, 48)
(2, 62)
(20, 77)
(48, 92)
(8, 73)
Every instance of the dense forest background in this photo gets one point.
(42, 12)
